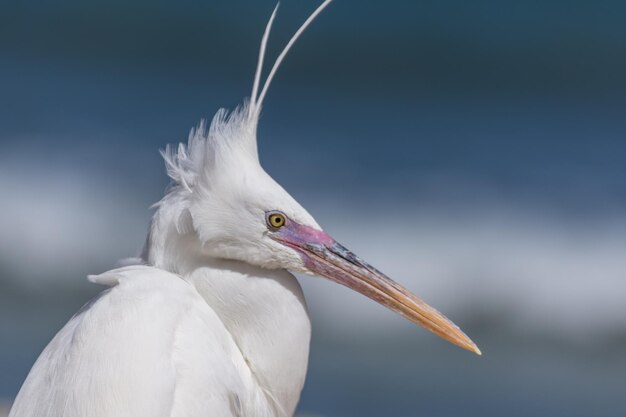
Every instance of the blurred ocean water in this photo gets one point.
(480, 161)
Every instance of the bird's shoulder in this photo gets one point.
(147, 346)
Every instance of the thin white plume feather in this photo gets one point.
(231, 133)
(284, 52)
(259, 65)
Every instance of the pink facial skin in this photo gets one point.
(308, 242)
(299, 236)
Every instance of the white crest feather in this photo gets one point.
(231, 133)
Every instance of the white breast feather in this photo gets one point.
(147, 346)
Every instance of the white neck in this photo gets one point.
(264, 310)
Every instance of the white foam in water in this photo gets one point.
(515, 265)
(569, 280)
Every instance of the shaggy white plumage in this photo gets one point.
(212, 323)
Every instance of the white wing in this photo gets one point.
(150, 346)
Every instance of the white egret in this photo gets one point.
(210, 322)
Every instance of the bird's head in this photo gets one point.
(231, 204)
(236, 211)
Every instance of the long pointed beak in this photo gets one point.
(323, 256)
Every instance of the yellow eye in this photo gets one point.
(276, 220)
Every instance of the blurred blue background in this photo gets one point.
(475, 151)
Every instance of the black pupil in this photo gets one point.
(277, 220)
